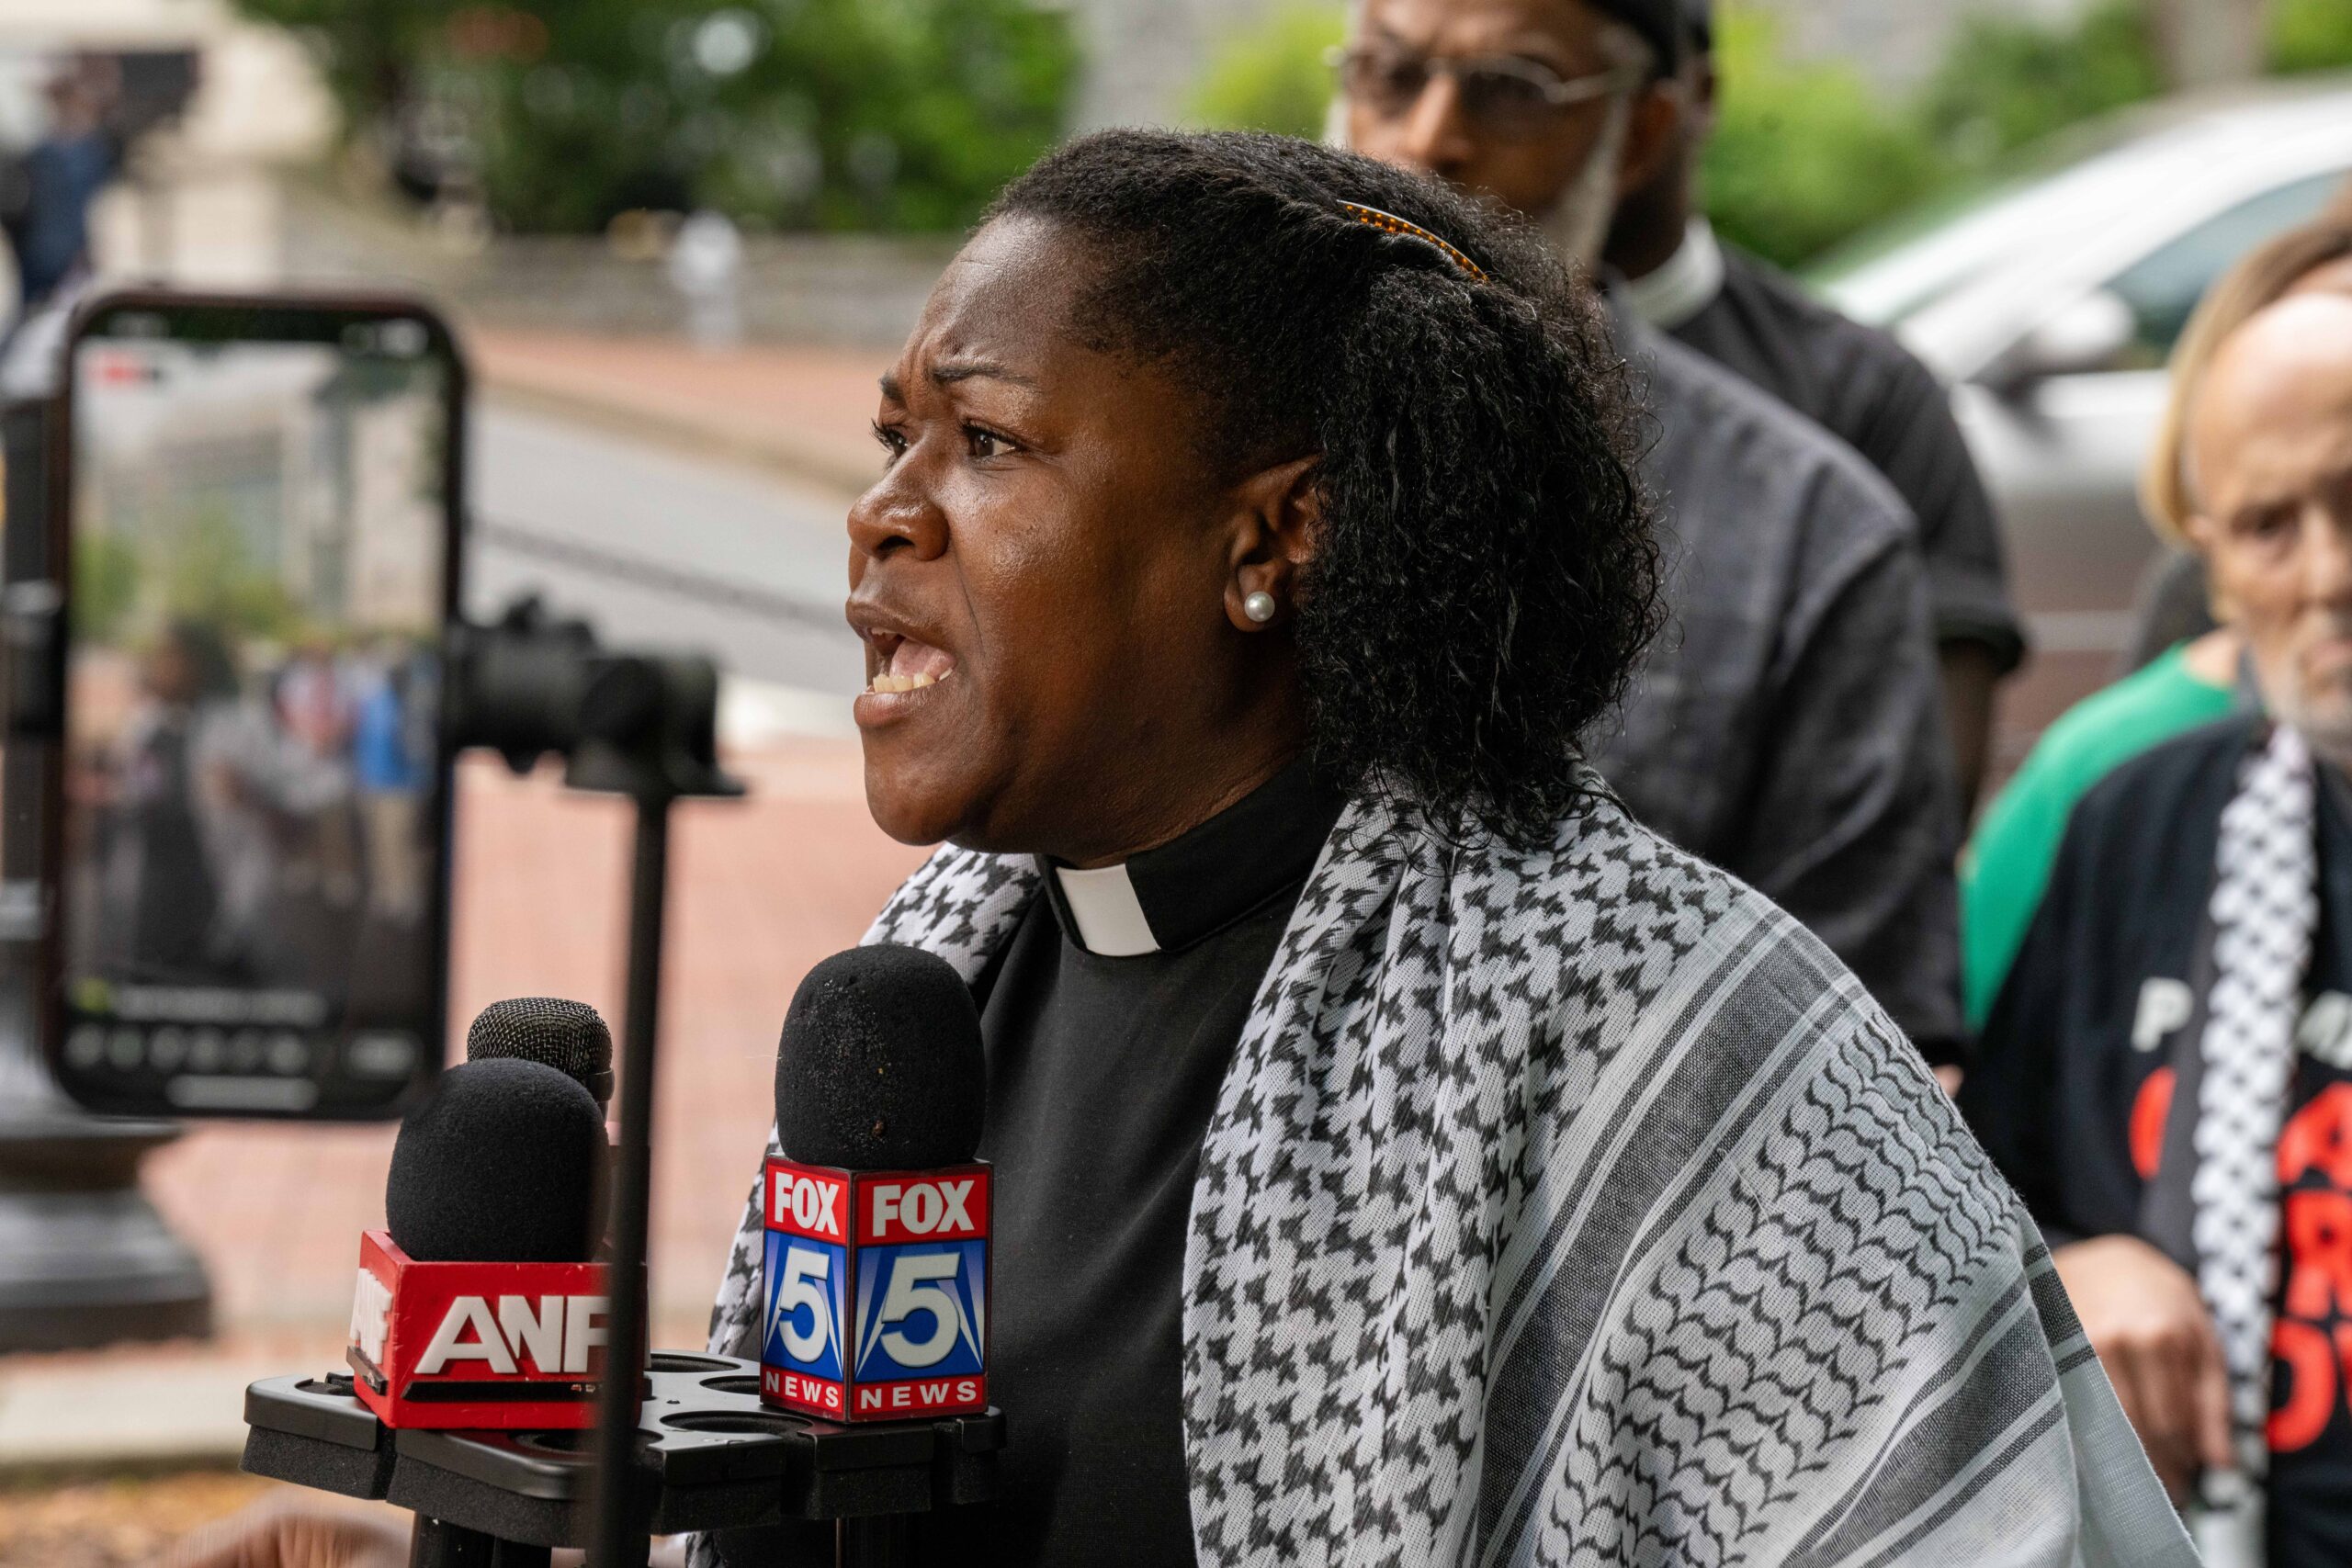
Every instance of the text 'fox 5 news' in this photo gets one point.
(877, 1294)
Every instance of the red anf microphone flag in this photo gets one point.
(480, 1304)
(476, 1345)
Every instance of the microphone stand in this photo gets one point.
(438, 1544)
(649, 732)
(618, 1541)
(644, 727)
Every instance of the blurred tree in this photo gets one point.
(2310, 35)
(1274, 76)
(2006, 81)
(207, 573)
(1803, 153)
(368, 48)
(892, 114)
(371, 51)
(105, 585)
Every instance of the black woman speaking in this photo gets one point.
(1403, 1156)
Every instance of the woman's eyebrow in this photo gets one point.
(966, 369)
(952, 371)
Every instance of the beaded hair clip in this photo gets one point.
(1388, 222)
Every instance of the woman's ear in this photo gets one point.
(1276, 515)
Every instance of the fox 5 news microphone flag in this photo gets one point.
(877, 1292)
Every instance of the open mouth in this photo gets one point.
(898, 663)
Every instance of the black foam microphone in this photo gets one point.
(878, 1218)
(566, 1035)
(881, 1065)
(504, 1163)
(480, 1304)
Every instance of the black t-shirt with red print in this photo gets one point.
(2073, 1086)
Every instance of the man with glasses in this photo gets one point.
(1788, 725)
(1860, 384)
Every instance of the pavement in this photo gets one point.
(802, 413)
(143, 1519)
(673, 494)
(731, 472)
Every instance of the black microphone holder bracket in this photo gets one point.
(643, 725)
(707, 1456)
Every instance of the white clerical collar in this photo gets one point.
(1166, 898)
(1104, 905)
(1685, 285)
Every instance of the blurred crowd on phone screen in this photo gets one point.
(250, 820)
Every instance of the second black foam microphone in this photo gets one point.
(569, 1036)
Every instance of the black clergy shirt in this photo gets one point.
(1103, 1072)
(1873, 393)
(1109, 1019)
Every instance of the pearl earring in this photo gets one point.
(1258, 607)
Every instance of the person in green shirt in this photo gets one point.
(2007, 863)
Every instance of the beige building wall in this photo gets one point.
(1142, 57)
(199, 205)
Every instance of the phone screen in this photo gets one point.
(253, 830)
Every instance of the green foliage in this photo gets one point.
(1806, 157)
(1272, 76)
(206, 573)
(369, 48)
(197, 566)
(909, 114)
(1804, 154)
(2310, 34)
(2008, 81)
(106, 585)
(1807, 153)
(871, 114)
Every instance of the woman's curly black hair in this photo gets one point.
(1484, 577)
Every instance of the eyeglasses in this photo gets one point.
(1501, 94)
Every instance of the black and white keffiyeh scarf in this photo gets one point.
(1574, 1206)
(2236, 1063)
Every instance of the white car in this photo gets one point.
(2048, 307)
